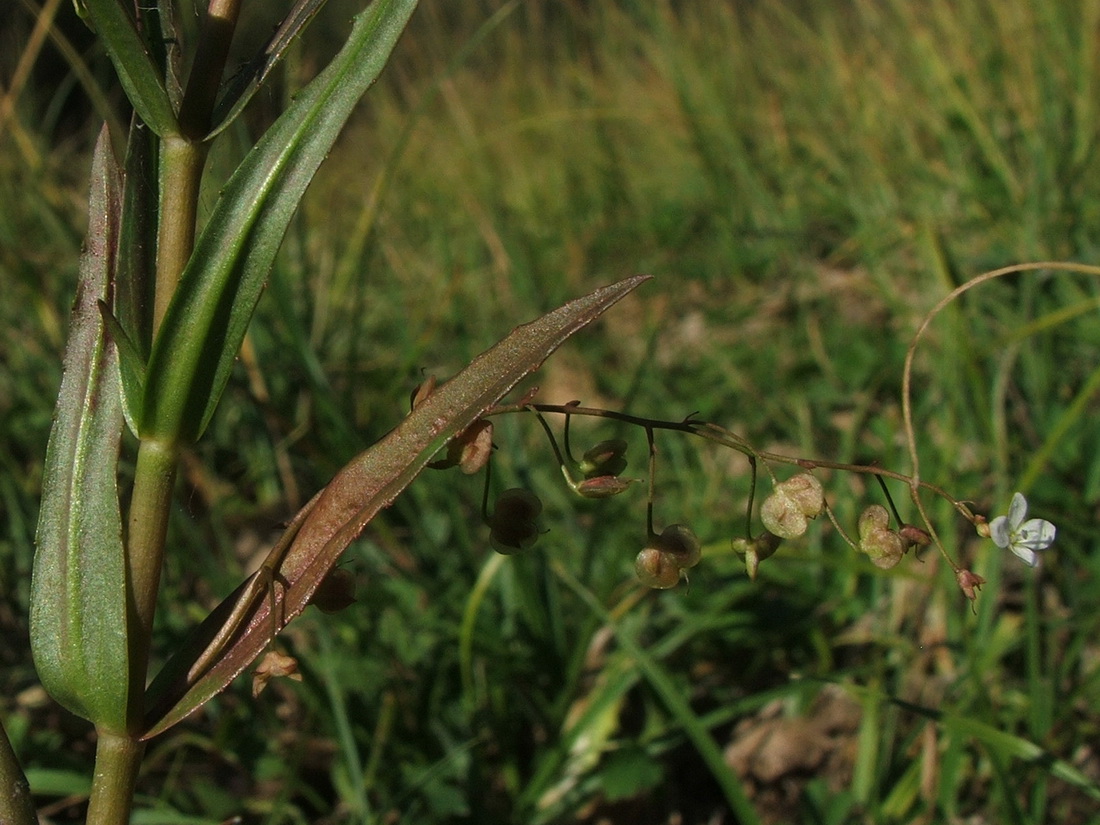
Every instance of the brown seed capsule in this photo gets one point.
(516, 503)
(602, 486)
(656, 570)
(607, 458)
(470, 450)
(335, 592)
(512, 526)
(806, 492)
(881, 544)
(511, 538)
(756, 550)
(782, 515)
(969, 583)
(678, 542)
(476, 446)
(914, 536)
(274, 665)
(421, 393)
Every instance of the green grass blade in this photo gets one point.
(206, 322)
(999, 742)
(674, 700)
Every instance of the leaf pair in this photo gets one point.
(143, 80)
(204, 326)
(81, 638)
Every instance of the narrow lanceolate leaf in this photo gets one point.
(248, 81)
(206, 321)
(78, 598)
(137, 71)
(131, 324)
(242, 626)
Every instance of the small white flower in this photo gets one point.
(1023, 538)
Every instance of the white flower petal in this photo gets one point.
(1036, 534)
(1017, 510)
(1025, 554)
(999, 532)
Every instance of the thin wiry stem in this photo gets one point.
(719, 435)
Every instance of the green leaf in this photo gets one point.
(78, 597)
(130, 324)
(628, 772)
(248, 81)
(206, 321)
(337, 515)
(137, 71)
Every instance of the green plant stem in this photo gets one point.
(206, 73)
(182, 163)
(148, 526)
(16, 805)
(117, 760)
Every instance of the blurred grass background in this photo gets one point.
(805, 180)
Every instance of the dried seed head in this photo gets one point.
(512, 526)
(602, 486)
(914, 536)
(470, 450)
(881, 544)
(335, 592)
(969, 583)
(756, 550)
(806, 492)
(782, 515)
(475, 446)
(274, 665)
(656, 569)
(883, 547)
(874, 517)
(678, 542)
(517, 503)
(607, 458)
(420, 394)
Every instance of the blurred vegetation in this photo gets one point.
(805, 180)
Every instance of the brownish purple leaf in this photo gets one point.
(337, 515)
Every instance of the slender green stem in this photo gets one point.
(181, 168)
(149, 508)
(205, 79)
(16, 805)
(752, 496)
(720, 435)
(650, 534)
(117, 760)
